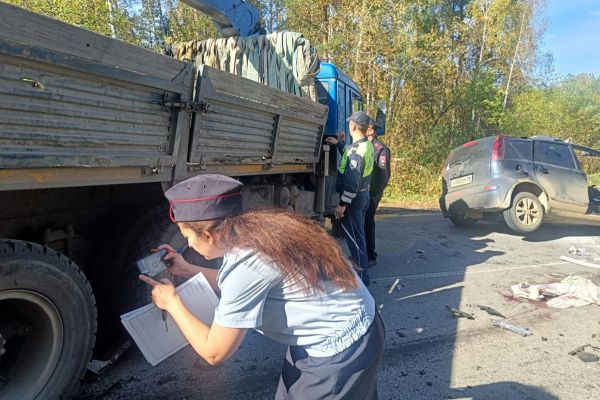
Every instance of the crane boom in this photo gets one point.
(231, 17)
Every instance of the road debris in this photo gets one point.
(513, 328)
(584, 355)
(490, 311)
(99, 366)
(578, 349)
(396, 282)
(572, 291)
(587, 357)
(420, 252)
(400, 334)
(456, 313)
(577, 251)
(580, 262)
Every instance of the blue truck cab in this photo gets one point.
(336, 90)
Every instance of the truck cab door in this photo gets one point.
(558, 173)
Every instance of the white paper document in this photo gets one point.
(146, 327)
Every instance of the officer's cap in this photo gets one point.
(204, 197)
(373, 124)
(360, 118)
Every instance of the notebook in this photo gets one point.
(146, 327)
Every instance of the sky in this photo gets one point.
(573, 35)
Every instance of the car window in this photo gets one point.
(588, 163)
(518, 150)
(474, 151)
(555, 154)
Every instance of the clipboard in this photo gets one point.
(147, 328)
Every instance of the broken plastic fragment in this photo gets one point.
(577, 251)
(491, 311)
(513, 328)
(396, 282)
(587, 357)
(456, 313)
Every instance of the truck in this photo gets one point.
(92, 132)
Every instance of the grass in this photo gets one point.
(594, 179)
(411, 201)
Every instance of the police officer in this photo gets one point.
(379, 180)
(352, 184)
(283, 276)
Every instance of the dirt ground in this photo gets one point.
(429, 354)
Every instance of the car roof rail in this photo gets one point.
(545, 137)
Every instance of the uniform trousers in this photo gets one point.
(374, 200)
(349, 375)
(353, 224)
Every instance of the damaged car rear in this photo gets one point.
(524, 180)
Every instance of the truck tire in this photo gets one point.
(47, 319)
(526, 213)
(115, 273)
(462, 221)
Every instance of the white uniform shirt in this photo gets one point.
(254, 294)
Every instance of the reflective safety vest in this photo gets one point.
(354, 172)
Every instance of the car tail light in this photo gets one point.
(469, 144)
(446, 165)
(498, 148)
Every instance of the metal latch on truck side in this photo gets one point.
(153, 169)
(189, 106)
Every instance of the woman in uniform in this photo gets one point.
(283, 276)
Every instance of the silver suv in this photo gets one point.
(526, 180)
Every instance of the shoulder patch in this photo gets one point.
(353, 164)
(382, 162)
(378, 145)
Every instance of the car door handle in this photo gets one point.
(522, 170)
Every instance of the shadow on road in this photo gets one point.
(503, 391)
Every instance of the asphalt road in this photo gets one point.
(429, 354)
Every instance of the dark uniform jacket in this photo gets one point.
(381, 168)
(354, 173)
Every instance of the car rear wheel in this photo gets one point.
(462, 221)
(526, 213)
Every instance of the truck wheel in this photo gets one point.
(525, 214)
(115, 273)
(47, 322)
(462, 221)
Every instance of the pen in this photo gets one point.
(164, 312)
(164, 318)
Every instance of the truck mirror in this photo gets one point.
(381, 117)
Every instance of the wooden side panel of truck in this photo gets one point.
(92, 130)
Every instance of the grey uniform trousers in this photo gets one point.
(349, 375)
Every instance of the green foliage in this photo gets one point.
(185, 24)
(450, 71)
(569, 110)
